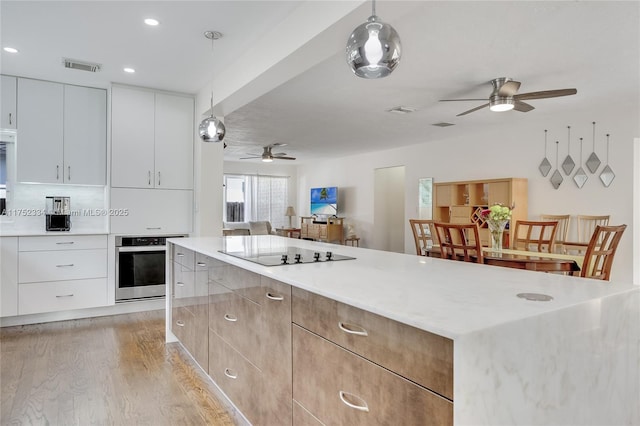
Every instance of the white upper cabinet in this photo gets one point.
(62, 133)
(85, 135)
(152, 139)
(174, 142)
(8, 88)
(40, 146)
(132, 138)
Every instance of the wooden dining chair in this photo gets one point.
(587, 225)
(459, 240)
(424, 235)
(562, 233)
(531, 235)
(602, 247)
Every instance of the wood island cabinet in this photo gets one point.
(463, 201)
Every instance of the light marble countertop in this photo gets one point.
(448, 298)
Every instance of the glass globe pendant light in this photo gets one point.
(211, 129)
(373, 49)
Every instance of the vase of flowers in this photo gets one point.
(497, 216)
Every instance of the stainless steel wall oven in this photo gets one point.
(140, 267)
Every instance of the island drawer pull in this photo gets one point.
(230, 373)
(352, 329)
(65, 242)
(180, 323)
(230, 318)
(180, 254)
(201, 264)
(64, 266)
(274, 297)
(153, 228)
(65, 295)
(362, 406)
(180, 284)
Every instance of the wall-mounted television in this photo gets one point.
(324, 201)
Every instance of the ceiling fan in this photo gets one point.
(504, 97)
(267, 156)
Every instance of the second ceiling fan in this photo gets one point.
(505, 97)
(267, 155)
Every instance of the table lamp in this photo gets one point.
(290, 212)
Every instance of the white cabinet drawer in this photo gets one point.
(151, 211)
(61, 296)
(36, 266)
(63, 242)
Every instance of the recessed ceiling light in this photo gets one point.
(11, 49)
(151, 22)
(129, 70)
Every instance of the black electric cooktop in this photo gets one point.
(288, 256)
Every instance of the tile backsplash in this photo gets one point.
(27, 207)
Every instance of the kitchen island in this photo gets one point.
(572, 360)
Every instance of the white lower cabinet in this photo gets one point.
(151, 211)
(57, 273)
(35, 298)
(8, 276)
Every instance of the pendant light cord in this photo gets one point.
(594, 137)
(373, 7)
(580, 150)
(557, 147)
(545, 142)
(569, 140)
(607, 148)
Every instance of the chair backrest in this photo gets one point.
(587, 225)
(423, 235)
(459, 240)
(534, 235)
(564, 220)
(602, 248)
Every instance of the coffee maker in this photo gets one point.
(58, 214)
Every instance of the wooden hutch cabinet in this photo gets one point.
(463, 201)
(329, 231)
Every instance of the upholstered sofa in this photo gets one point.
(262, 227)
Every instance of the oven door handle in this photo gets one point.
(141, 248)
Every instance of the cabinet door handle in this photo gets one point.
(178, 254)
(274, 297)
(230, 373)
(64, 266)
(352, 329)
(57, 172)
(153, 228)
(149, 177)
(201, 264)
(361, 406)
(230, 318)
(69, 172)
(65, 295)
(65, 242)
(180, 323)
(158, 178)
(10, 118)
(180, 284)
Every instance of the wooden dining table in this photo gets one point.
(529, 260)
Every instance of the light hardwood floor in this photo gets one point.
(113, 370)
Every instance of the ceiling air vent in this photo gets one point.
(442, 124)
(80, 65)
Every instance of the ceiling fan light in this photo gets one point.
(501, 104)
(267, 160)
(212, 130)
(373, 49)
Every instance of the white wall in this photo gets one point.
(514, 149)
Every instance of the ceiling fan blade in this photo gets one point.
(284, 158)
(472, 110)
(522, 106)
(279, 154)
(250, 158)
(456, 100)
(509, 88)
(545, 94)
